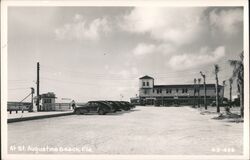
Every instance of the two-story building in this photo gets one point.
(182, 94)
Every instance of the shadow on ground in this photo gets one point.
(112, 114)
(229, 117)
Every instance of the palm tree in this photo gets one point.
(216, 71)
(230, 91)
(238, 73)
(224, 85)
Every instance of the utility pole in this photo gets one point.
(32, 92)
(205, 90)
(38, 87)
(216, 70)
(194, 91)
(199, 81)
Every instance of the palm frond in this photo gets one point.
(234, 63)
(242, 56)
(216, 68)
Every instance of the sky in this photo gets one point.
(92, 53)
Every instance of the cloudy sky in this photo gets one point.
(90, 53)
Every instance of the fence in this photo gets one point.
(62, 106)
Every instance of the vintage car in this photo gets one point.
(123, 105)
(115, 105)
(130, 105)
(99, 107)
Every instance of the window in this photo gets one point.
(184, 90)
(153, 91)
(159, 91)
(147, 83)
(145, 91)
(47, 100)
(168, 90)
(177, 90)
(143, 83)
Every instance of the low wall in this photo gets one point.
(38, 117)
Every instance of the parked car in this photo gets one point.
(115, 105)
(122, 105)
(131, 106)
(95, 106)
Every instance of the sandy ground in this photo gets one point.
(144, 130)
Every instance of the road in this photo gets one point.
(144, 130)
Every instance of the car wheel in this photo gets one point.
(101, 112)
(78, 112)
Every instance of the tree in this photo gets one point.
(238, 73)
(216, 71)
(230, 91)
(223, 91)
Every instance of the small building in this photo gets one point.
(180, 94)
(48, 101)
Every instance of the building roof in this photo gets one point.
(146, 77)
(48, 95)
(184, 86)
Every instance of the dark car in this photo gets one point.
(94, 106)
(131, 106)
(115, 105)
(123, 105)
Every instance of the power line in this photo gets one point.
(103, 74)
(18, 88)
(131, 75)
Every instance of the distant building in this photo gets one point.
(182, 94)
(48, 101)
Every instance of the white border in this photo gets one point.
(179, 3)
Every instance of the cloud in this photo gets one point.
(203, 57)
(144, 49)
(227, 21)
(128, 73)
(176, 25)
(80, 29)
